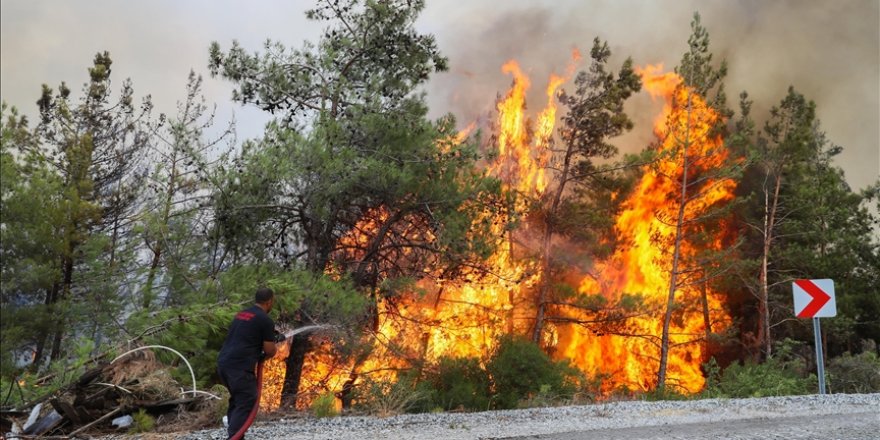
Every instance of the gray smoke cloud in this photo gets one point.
(829, 51)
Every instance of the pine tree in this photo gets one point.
(701, 165)
(805, 222)
(595, 114)
(176, 218)
(352, 177)
(95, 146)
(30, 202)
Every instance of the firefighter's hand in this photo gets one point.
(279, 337)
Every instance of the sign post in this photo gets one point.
(815, 299)
(820, 359)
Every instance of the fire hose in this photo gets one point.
(253, 414)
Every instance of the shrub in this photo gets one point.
(543, 398)
(713, 379)
(219, 406)
(855, 373)
(784, 374)
(142, 422)
(325, 406)
(760, 380)
(520, 371)
(386, 398)
(15, 391)
(458, 383)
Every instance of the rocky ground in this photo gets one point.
(840, 416)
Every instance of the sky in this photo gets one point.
(827, 50)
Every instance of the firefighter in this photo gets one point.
(250, 340)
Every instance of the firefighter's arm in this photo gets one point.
(269, 349)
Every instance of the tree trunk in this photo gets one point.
(770, 207)
(707, 322)
(546, 242)
(676, 254)
(543, 291)
(346, 395)
(299, 347)
(151, 277)
(763, 312)
(59, 317)
(46, 331)
(670, 304)
(40, 348)
(114, 237)
(56, 341)
(300, 344)
(163, 227)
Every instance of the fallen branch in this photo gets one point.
(99, 420)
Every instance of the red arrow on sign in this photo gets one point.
(818, 301)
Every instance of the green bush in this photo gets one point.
(855, 373)
(22, 386)
(324, 406)
(520, 372)
(458, 383)
(786, 373)
(385, 398)
(713, 379)
(142, 422)
(198, 328)
(760, 380)
(219, 406)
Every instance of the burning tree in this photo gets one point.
(355, 183)
(670, 229)
(595, 114)
(696, 168)
(353, 179)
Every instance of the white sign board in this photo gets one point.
(814, 298)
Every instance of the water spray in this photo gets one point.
(291, 333)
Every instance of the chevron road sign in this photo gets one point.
(814, 298)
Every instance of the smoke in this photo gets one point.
(829, 51)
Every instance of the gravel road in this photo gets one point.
(836, 416)
(861, 426)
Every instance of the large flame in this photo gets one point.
(643, 267)
(464, 317)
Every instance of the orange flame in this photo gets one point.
(273, 378)
(643, 267)
(464, 317)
